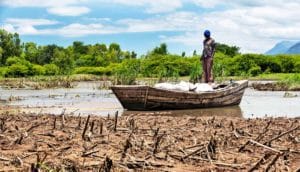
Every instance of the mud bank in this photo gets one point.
(148, 143)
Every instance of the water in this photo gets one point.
(87, 99)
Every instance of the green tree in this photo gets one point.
(51, 69)
(63, 60)
(46, 54)
(31, 52)
(162, 49)
(114, 47)
(183, 54)
(114, 53)
(195, 53)
(133, 55)
(227, 50)
(10, 45)
(80, 48)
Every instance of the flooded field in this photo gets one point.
(183, 140)
(86, 99)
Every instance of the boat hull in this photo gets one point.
(149, 98)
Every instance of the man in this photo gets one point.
(207, 57)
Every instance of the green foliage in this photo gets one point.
(127, 71)
(46, 54)
(93, 70)
(17, 70)
(287, 63)
(291, 80)
(51, 69)
(297, 67)
(63, 60)
(162, 49)
(254, 71)
(10, 45)
(100, 59)
(3, 71)
(85, 60)
(196, 72)
(38, 70)
(31, 52)
(156, 65)
(230, 51)
(79, 47)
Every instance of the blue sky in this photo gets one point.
(140, 25)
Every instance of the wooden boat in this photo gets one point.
(150, 98)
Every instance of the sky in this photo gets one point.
(140, 25)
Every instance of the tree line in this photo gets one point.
(19, 59)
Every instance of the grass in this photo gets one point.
(292, 80)
(266, 77)
(40, 82)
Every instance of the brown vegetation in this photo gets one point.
(149, 143)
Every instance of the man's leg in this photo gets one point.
(209, 70)
(204, 70)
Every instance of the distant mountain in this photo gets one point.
(280, 48)
(295, 49)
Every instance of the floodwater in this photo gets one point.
(86, 99)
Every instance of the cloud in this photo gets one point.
(254, 25)
(255, 29)
(32, 22)
(68, 10)
(26, 26)
(241, 3)
(57, 7)
(39, 3)
(78, 30)
(178, 21)
(161, 6)
(207, 3)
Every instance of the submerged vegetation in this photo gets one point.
(29, 60)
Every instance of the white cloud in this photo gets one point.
(207, 3)
(77, 30)
(57, 7)
(33, 22)
(254, 29)
(26, 26)
(68, 10)
(254, 25)
(178, 21)
(40, 3)
(152, 6)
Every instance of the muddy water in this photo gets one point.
(86, 98)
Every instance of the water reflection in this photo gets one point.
(230, 111)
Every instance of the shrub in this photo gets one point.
(3, 71)
(287, 64)
(254, 71)
(196, 72)
(93, 70)
(297, 67)
(51, 69)
(38, 70)
(127, 71)
(17, 70)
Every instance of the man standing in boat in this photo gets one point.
(207, 57)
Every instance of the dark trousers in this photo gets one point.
(207, 75)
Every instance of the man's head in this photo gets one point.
(207, 34)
